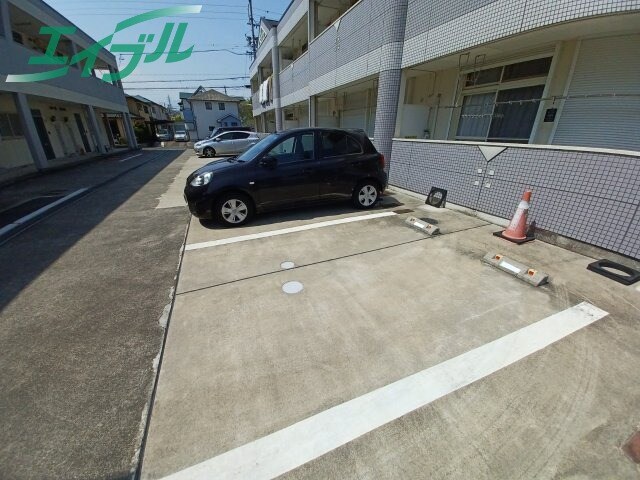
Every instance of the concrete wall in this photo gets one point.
(70, 88)
(587, 195)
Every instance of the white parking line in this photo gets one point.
(129, 158)
(308, 439)
(284, 231)
(8, 228)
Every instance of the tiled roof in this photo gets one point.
(214, 96)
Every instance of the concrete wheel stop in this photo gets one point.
(527, 274)
(422, 226)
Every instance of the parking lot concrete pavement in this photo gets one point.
(174, 196)
(246, 364)
(82, 295)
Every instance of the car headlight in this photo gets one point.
(202, 180)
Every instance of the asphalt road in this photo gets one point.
(81, 298)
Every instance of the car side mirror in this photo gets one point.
(269, 162)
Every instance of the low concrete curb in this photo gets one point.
(9, 231)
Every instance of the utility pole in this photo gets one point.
(252, 41)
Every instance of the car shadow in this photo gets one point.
(306, 213)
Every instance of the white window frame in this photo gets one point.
(497, 87)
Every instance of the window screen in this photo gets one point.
(475, 116)
(207, 105)
(513, 121)
(221, 106)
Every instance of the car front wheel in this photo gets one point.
(234, 209)
(365, 195)
(209, 152)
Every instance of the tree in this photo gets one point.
(246, 112)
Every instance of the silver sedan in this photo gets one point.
(227, 143)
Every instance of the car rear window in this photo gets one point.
(337, 143)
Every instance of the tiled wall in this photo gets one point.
(390, 74)
(441, 27)
(366, 41)
(294, 81)
(588, 196)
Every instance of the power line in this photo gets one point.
(146, 2)
(194, 73)
(185, 80)
(194, 51)
(236, 87)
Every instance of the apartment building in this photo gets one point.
(46, 123)
(480, 97)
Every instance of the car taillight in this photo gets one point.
(382, 164)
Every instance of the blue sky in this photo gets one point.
(222, 24)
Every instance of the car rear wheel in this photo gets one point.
(209, 152)
(234, 209)
(365, 195)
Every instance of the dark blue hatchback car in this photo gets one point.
(291, 168)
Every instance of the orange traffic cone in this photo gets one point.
(517, 230)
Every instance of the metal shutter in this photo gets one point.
(604, 66)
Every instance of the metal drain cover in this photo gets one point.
(292, 287)
(287, 265)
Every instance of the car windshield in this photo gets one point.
(180, 132)
(259, 147)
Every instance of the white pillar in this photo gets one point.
(30, 132)
(275, 61)
(311, 17)
(312, 111)
(93, 125)
(131, 133)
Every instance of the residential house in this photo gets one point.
(46, 123)
(209, 109)
(187, 112)
(149, 114)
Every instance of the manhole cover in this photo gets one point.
(632, 447)
(287, 265)
(292, 287)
